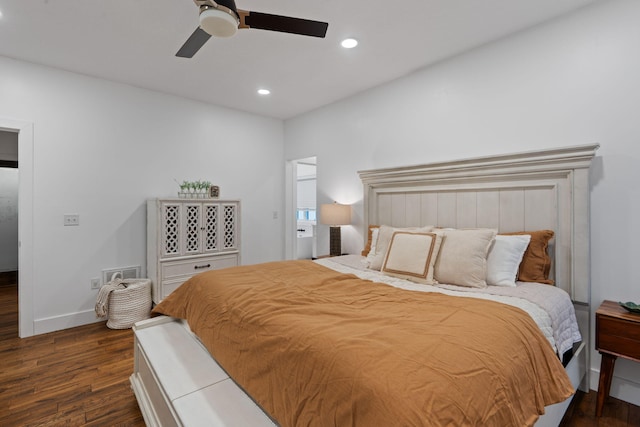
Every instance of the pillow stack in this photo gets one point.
(473, 258)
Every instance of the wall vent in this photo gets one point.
(132, 272)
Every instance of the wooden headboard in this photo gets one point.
(547, 189)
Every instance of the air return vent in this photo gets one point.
(132, 272)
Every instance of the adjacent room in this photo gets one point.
(283, 134)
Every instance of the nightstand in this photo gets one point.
(617, 335)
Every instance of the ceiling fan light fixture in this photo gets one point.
(218, 22)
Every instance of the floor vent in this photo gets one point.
(126, 272)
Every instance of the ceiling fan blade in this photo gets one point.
(193, 43)
(283, 24)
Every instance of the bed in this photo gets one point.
(337, 342)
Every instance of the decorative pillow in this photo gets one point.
(463, 257)
(411, 256)
(536, 263)
(367, 247)
(504, 259)
(384, 237)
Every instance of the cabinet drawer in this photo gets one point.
(189, 267)
(618, 336)
(169, 286)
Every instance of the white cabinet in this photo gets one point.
(188, 236)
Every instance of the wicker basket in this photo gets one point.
(129, 304)
(124, 302)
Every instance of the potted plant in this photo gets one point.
(184, 188)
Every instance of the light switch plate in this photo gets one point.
(71, 219)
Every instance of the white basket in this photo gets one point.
(124, 301)
(130, 304)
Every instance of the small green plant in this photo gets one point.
(194, 186)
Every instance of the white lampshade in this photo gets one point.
(218, 23)
(335, 214)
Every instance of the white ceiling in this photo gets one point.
(134, 42)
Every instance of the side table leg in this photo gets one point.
(604, 385)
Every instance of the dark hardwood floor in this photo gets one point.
(80, 377)
(75, 377)
(616, 413)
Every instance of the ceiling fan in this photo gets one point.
(221, 18)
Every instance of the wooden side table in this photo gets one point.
(617, 335)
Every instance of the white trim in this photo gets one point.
(25, 223)
(621, 388)
(65, 321)
(291, 206)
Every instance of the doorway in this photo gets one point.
(24, 132)
(300, 218)
(306, 208)
(8, 207)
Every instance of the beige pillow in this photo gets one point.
(463, 257)
(412, 256)
(384, 237)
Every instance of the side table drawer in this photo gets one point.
(618, 336)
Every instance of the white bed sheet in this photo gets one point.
(550, 307)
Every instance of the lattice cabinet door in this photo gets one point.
(170, 228)
(192, 227)
(229, 224)
(211, 225)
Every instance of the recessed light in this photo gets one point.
(349, 43)
(264, 91)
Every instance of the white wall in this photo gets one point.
(100, 149)
(573, 81)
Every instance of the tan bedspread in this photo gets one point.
(319, 348)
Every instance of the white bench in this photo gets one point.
(178, 383)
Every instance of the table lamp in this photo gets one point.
(335, 215)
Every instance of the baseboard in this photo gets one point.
(65, 321)
(621, 388)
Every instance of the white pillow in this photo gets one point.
(411, 256)
(463, 257)
(504, 259)
(384, 237)
(372, 251)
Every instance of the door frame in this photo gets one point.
(291, 203)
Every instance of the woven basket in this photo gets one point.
(129, 305)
